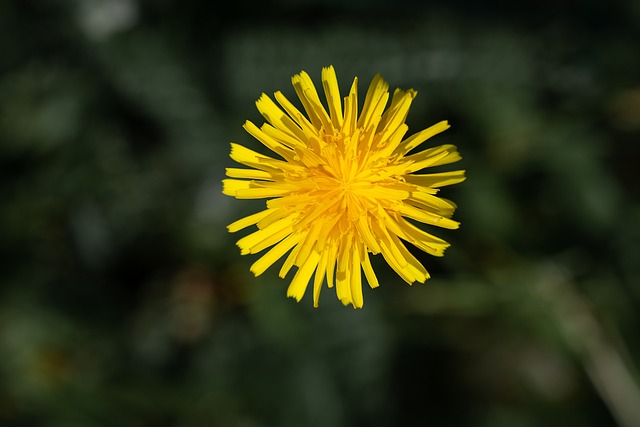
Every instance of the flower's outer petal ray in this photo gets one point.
(267, 240)
(261, 239)
(435, 180)
(269, 142)
(394, 263)
(385, 193)
(275, 253)
(319, 277)
(364, 230)
(247, 221)
(259, 161)
(309, 242)
(413, 266)
(388, 145)
(241, 189)
(427, 217)
(375, 100)
(356, 278)
(332, 93)
(301, 280)
(331, 264)
(249, 174)
(418, 138)
(283, 137)
(351, 109)
(278, 118)
(230, 187)
(396, 114)
(391, 224)
(289, 262)
(258, 192)
(343, 273)
(421, 239)
(308, 95)
(274, 215)
(375, 112)
(368, 271)
(305, 125)
(327, 228)
(392, 253)
(429, 202)
(436, 156)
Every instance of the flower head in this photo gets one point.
(344, 187)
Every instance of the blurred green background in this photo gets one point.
(124, 301)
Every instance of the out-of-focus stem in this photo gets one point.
(612, 376)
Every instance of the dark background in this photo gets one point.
(124, 301)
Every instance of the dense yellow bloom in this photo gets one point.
(344, 187)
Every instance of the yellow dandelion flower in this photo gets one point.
(344, 187)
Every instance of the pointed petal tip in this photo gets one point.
(228, 189)
(255, 271)
(261, 98)
(294, 296)
(299, 76)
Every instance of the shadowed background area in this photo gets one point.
(125, 302)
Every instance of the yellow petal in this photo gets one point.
(301, 280)
(356, 278)
(257, 239)
(389, 141)
(278, 118)
(415, 268)
(274, 215)
(440, 179)
(436, 156)
(274, 254)
(427, 217)
(343, 288)
(332, 93)
(394, 117)
(268, 141)
(283, 137)
(368, 271)
(308, 95)
(247, 221)
(351, 109)
(439, 205)
(304, 124)
(230, 187)
(420, 137)
(331, 264)
(319, 277)
(310, 240)
(427, 242)
(248, 174)
(246, 156)
(375, 100)
(260, 193)
(395, 265)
